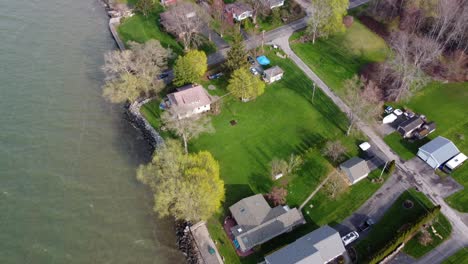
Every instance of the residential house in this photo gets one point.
(257, 222)
(406, 128)
(355, 169)
(317, 247)
(438, 151)
(273, 74)
(273, 3)
(189, 100)
(238, 11)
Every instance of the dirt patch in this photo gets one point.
(233, 122)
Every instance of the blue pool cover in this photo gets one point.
(263, 60)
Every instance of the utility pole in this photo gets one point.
(263, 40)
(313, 92)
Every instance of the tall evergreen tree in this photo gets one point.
(236, 56)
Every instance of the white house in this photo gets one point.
(273, 74)
(438, 151)
(189, 100)
(274, 3)
(239, 11)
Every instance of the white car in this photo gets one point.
(398, 112)
(349, 238)
(254, 71)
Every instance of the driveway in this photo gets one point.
(444, 187)
(377, 205)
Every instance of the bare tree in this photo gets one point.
(405, 67)
(278, 166)
(187, 128)
(258, 7)
(318, 14)
(334, 150)
(131, 73)
(294, 163)
(277, 195)
(185, 20)
(335, 185)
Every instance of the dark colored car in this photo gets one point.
(366, 224)
(163, 75)
(215, 76)
(388, 109)
(250, 60)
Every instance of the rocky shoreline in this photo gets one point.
(184, 239)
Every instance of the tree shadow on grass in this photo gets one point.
(260, 183)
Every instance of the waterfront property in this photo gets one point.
(257, 222)
(189, 100)
(320, 246)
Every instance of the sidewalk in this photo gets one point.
(205, 244)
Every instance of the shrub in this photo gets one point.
(348, 21)
(391, 167)
(404, 235)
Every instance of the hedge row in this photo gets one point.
(405, 235)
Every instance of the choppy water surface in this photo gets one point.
(67, 159)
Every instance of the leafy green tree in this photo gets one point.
(144, 7)
(326, 17)
(245, 85)
(237, 55)
(190, 67)
(185, 186)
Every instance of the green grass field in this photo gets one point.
(341, 56)
(443, 228)
(140, 29)
(461, 257)
(394, 219)
(322, 210)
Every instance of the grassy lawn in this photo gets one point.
(405, 149)
(341, 56)
(417, 250)
(322, 210)
(392, 222)
(461, 257)
(280, 122)
(141, 29)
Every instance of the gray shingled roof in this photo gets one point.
(258, 222)
(319, 246)
(273, 71)
(411, 124)
(355, 168)
(441, 149)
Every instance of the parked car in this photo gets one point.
(163, 75)
(388, 109)
(349, 238)
(398, 112)
(215, 76)
(250, 60)
(366, 224)
(254, 71)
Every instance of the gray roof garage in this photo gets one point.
(438, 151)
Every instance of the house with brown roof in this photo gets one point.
(238, 11)
(273, 74)
(257, 222)
(189, 100)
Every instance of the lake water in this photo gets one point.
(68, 192)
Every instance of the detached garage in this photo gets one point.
(438, 151)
